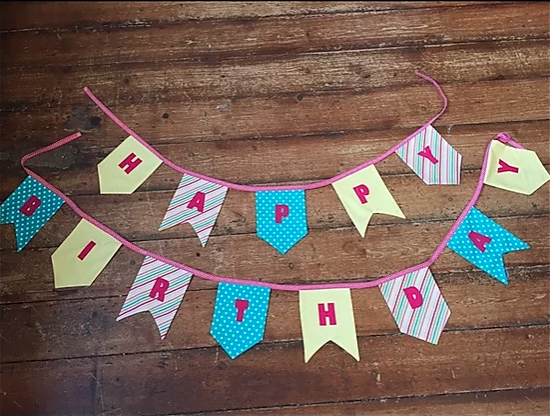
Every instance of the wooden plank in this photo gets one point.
(207, 380)
(324, 255)
(73, 168)
(58, 15)
(356, 70)
(503, 402)
(46, 330)
(211, 41)
(284, 116)
(124, 213)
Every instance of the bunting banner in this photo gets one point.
(83, 255)
(159, 288)
(416, 304)
(363, 194)
(197, 202)
(240, 311)
(432, 158)
(281, 218)
(483, 242)
(29, 208)
(126, 167)
(239, 318)
(516, 170)
(327, 315)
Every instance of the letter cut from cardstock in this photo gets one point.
(516, 170)
(432, 158)
(83, 255)
(417, 305)
(281, 218)
(159, 289)
(239, 318)
(197, 202)
(126, 167)
(483, 242)
(327, 315)
(364, 193)
(28, 208)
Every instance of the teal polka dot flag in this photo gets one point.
(483, 242)
(281, 218)
(28, 208)
(239, 318)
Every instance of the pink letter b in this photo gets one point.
(30, 206)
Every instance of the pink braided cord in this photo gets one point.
(248, 188)
(503, 137)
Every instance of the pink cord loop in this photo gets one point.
(248, 188)
(505, 138)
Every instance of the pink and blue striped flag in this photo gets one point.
(197, 202)
(159, 288)
(432, 158)
(417, 305)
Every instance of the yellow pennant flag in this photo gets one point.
(327, 315)
(126, 167)
(83, 255)
(516, 170)
(363, 194)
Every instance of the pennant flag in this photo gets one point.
(516, 170)
(432, 158)
(483, 242)
(281, 218)
(126, 167)
(363, 194)
(239, 318)
(159, 288)
(197, 202)
(327, 315)
(28, 208)
(417, 305)
(83, 255)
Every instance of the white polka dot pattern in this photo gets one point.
(236, 337)
(490, 260)
(292, 228)
(26, 227)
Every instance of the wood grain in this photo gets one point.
(502, 358)
(272, 93)
(283, 116)
(58, 15)
(210, 41)
(264, 76)
(503, 402)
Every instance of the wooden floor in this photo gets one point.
(273, 92)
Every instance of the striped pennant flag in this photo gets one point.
(197, 202)
(417, 305)
(159, 288)
(432, 158)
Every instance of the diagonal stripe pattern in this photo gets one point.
(434, 160)
(425, 315)
(158, 288)
(201, 213)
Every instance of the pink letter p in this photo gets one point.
(281, 211)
